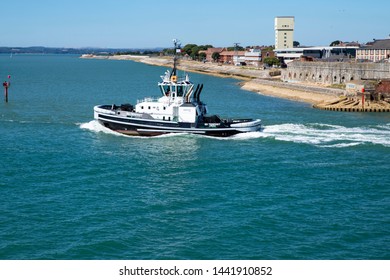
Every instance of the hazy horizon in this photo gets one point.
(139, 25)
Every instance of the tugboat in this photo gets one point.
(178, 110)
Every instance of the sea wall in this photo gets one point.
(334, 72)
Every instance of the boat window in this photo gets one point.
(179, 90)
(165, 90)
(173, 88)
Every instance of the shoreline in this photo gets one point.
(279, 90)
(255, 80)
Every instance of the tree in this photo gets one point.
(215, 56)
(335, 43)
(188, 48)
(271, 61)
(238, 48)
(202, 56)
(205, 47)
(269, 48)
(193, 50)
(296, 44)
(168, 51)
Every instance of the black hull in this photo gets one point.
(139, 130)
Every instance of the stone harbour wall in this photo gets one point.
(334, 72)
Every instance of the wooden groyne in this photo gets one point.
(352, 105)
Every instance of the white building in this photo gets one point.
(324, 52)
(284, 32)
(253, 57)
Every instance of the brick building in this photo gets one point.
(379, 50)
(229, 57)
(209, 52)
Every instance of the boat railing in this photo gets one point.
(175, 100)
(148, 99)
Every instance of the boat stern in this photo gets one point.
(103, 109)
(247, 125)
(96, 112)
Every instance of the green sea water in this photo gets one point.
(313, 185)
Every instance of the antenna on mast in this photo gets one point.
(177, 49)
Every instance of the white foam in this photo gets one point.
(341, 145)
(95, 126)
(331, 135)
(246, 135)
(385, 126)
(319, 134)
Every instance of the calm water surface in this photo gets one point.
(313, 185)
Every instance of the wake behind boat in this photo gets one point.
(178, 110)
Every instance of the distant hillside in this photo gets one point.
(46, 50)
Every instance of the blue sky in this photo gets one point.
(144, 24)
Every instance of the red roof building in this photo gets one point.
(228, 56)
(209, 52)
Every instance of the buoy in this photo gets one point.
(6, 85)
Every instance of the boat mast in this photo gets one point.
(175, 58)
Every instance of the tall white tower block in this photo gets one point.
(284, 32)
